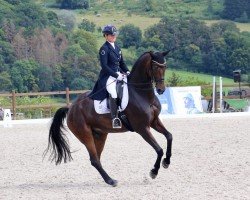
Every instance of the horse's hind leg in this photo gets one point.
(158, 126)
(99, 138)
(88, 140)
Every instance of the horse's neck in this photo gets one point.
(139, 73)
(140, 82)
(139, 76)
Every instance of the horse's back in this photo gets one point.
(80, 109)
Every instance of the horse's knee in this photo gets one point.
(169, 136)
(160, 152)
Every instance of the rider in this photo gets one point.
(113, 70)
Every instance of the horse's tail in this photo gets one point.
(57, 143)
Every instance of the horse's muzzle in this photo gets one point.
(160, 91)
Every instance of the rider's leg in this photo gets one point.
(111, 88)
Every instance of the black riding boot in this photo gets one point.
(116, 122)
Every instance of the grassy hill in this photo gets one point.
(120, 12)
(241, 26)
(201, 77)
(159, 8)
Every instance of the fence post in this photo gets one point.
(14, 104)
(67, 96)
(214, 95)
(221, 96)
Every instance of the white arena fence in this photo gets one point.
(162, 117)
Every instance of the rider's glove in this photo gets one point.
(128, 72)
(120, 77)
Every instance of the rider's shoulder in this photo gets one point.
(104, 46)
(104, 49)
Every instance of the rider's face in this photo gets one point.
(110, 38)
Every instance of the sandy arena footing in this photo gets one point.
(210, 160)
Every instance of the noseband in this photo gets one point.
(156, 65)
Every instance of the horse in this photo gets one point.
(142, 111)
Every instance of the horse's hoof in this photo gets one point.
(164, 164)
(115, 183)
(112, 182)
(153, 174)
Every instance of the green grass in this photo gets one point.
(117, 14)
(120, 19)
(202, 77)
(241, 26)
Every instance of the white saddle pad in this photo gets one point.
(101, 106)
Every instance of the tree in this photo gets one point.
(79, 84)
(73, 4)
(57, 78)
(86, 40)
(234, 9)
(130, 35)
(23, 74)
(53, 19)
(30, 15)
(174, 80)
(67, 20)
(7, 56)
(87, 25)
(243, 18)
(45, 79)
(216, 50)
(72, 55)
(5, 82)
(147, 5)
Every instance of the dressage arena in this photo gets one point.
(210, 160)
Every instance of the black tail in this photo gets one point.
(57, 143)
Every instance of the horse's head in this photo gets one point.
(158, 68)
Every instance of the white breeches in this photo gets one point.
(111, 86)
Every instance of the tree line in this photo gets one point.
(42, 51)
(236, 10)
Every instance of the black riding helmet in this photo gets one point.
(109, 30)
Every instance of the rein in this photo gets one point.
(153, 79)
(154, 64)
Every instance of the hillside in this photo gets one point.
(44, 47)
(152, 8)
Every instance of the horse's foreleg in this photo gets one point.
(158, 126)
(148, 137)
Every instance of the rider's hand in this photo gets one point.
(128, 72)
(120, 77)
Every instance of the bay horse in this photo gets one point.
(92, 129)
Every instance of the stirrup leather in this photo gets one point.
(116, 123)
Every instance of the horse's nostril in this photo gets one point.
(159, 91)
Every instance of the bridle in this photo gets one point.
(156, 65)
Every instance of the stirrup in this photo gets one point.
(116, 123)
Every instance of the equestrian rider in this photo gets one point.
(113, 69)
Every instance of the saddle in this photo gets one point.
(119, 90)
(102, 107)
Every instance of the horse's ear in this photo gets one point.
(164, 53)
